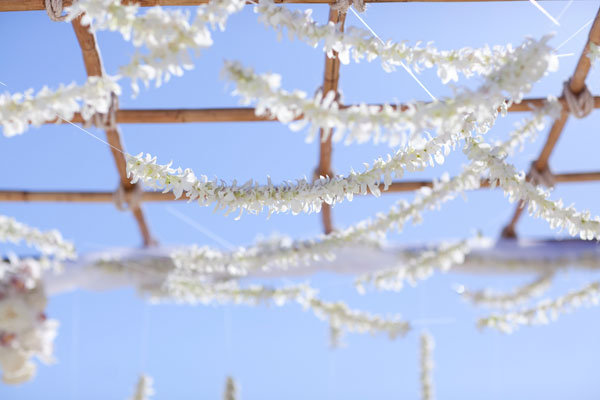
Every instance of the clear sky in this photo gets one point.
(106, 339)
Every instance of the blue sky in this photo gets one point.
(106, 339)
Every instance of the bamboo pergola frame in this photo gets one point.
(93, 65)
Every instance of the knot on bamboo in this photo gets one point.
(127, 199)
(544, 177)
(54, 8)
(343, 5)
(580, 104)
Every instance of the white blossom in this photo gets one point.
(231, 389)
(25, 331)
(469, 110)
(594, 52)
(427, 346)
(506, 300)
(356, 44)
(19, 110)
(545, 311)
(417, 268)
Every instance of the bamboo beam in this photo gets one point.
(93, 66)
(246, 114)
(576, 85)
(330, 83)
(26, 196)
(33, 5)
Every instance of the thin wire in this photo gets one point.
(546, 13)
(92, 135)
(575, 34)
(200, 228)
(3, 84)
(401, 63)
(565, 55)
(565, 8)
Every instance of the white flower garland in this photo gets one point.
(50, 243)
(519, 295)
(340, 317)
(516, 187)
(299, 196)
(545, 311)
(357, 44)
(427, 346)
(144, 389)
(169, 35)
(25, 332)
(416, 268)
(468, 110)
(19, 110)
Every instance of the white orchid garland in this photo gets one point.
(426, 354)
(340, 317)
(19, 110)
(506, 300)
(357, 44)
(144, 389)
(49, 243)
(545, 311)
(417, 268)
(468, 110)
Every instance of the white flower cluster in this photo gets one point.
(427, 346)
(340, 317)
(452, 118)
(144, 388)
(19, 110)
(545, 311)
(357, 44)
(50, 243)
(416, 268)
(168, 35)
(520, 295)
(25, 332)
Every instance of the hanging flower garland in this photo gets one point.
(340, 317)
(299, 196)
(417, 268)
(19, 110)
(427, 346)
(50, 243)
(25, 331)
(144, 389)
(545, 311)
(468, 110)
(517, 296)
(357, 44)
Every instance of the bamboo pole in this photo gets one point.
(12, 196)
(331, 80)
(576, 85)
(33, 5)
(246, 114)
(93, 66)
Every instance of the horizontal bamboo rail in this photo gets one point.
(32, 5)
(108, 197)
(244, 114)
